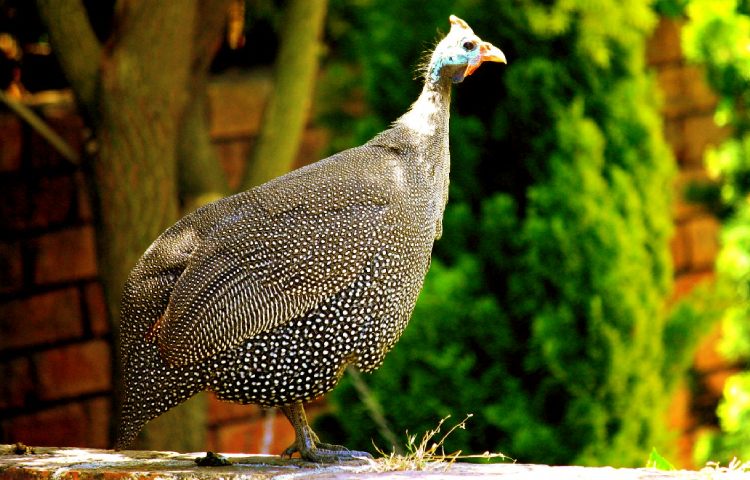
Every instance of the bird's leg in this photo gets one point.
(307, 443)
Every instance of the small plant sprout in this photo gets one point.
(429, 452)
(657, 462)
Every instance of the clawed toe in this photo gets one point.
(332, 447)
(324, 453)
(309, 447)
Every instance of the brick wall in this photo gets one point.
(689, 128)
(54, 337)
(55, 346)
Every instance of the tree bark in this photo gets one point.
(79, 51)
(134, 92)
(288, 107)
(201, 179)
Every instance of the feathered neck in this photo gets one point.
(429, 115)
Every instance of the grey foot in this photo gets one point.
(308, 445)
(325, 453)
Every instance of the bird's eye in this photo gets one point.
(469, 46)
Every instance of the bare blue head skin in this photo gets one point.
(460, 53)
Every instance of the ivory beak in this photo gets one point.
(487, 53)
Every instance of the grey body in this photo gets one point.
(266, 296)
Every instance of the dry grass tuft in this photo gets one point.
(735, 469)
(428, 453)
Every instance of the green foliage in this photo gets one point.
(671, 8)
(655, 460)
(734, 412)
(733, 441)
(718, 37)
(543, 312)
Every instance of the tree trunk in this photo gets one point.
(201, 179)
(133, 92)
(288, 107)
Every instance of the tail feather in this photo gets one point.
(151, 388)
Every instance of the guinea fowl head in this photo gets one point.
(460, 53)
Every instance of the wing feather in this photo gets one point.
(272, 258)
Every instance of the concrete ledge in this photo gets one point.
(41, 463)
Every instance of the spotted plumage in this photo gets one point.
(265, 297)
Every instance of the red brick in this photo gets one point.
(679, 248)
(10, 143)
(673, 134)
(678, 414)
(686, 282)
(66, 255)
(236, 103)
(11, 264)
(221, 411)
(685, 210)
(52, 201)
(702, 97)
(81, 424)
(685, 91)
(669, 79)
(680, 420)
(247, 437)
(63, 120)
(17, 385)
(707, 356)
(65, 426)
(701, 132)
(283, 434)
(74, 370)
(239, 438)
(40, 319)
(97, 309)
(702, 237)
(14, 204)
(715, 381)
(99, 413)
(83, 200)
(233, 155)
(664, 44)
(314, 141)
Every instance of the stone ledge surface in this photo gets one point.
(84, 464)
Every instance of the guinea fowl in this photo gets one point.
(265, 297)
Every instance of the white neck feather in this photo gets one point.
(428, 114)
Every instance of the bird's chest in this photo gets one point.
(306, 357)
(425, 208)
(428, 180)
